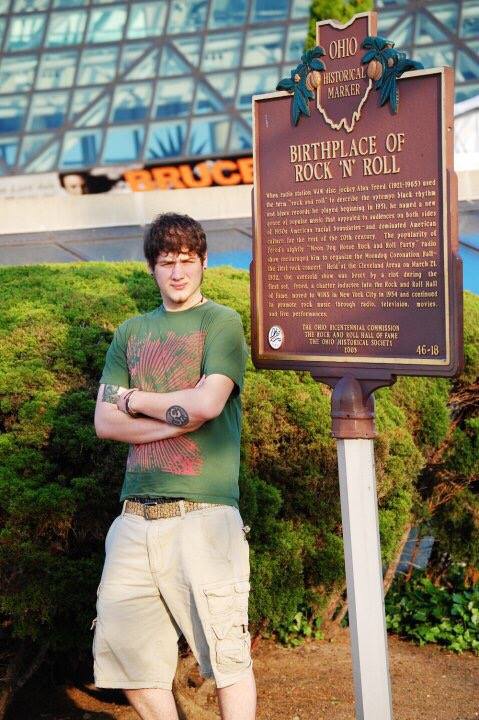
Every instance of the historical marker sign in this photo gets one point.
(354, 274)
(354, 266)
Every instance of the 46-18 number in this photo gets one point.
(427, 350)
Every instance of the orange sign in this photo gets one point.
(205, 174)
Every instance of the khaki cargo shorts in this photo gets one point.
(162, 578)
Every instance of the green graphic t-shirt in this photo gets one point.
(164, 351)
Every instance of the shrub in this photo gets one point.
(447, 615)
(455, 526)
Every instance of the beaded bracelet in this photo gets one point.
(131, 413)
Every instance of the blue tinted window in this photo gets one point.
(8, 150)
(165, 140)
(255, 82)
(146, 68)
(435, 56)
(17, 73)
(106, 24)
(12, 113)
(46, 160)
(470, 19)
(224, 84)
(97, 66)
(427, 31)
(66, 28)
(208, 136)
(69, 3)
(131, 53)
(173, 97)
(25, 32)
(266, 10)
(32, 145)
(465, 92)
(403, 33)
(240, 137)
(80, 149)
(82, 99)
(447, 14)
(123, 144)
(295, 43)
(300, 8)
(221, 51)
(57, 70)
(4, 6)
(187, 16)
(189, 48)
(131, 102)
(387, 20)
(47, 111)
(264, 47)
(207, 101)
(96, 114)
(467, 68)
(172, 62)
(29, 5)
(146, 19)
(227, 12)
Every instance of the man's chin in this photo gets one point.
(179, 299)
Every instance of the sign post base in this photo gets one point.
(362, 554)
(352, 410)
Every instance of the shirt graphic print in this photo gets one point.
(165, 365)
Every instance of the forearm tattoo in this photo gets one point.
(176, 415)
(110, 393)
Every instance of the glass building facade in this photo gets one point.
(85, 83)
(437, 33)
(94, 82)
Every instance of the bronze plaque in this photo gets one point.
(354, 259)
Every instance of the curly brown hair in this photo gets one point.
(171, 232)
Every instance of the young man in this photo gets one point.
(177, 557)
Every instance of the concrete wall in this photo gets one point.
(68, 212)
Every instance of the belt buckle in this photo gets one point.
(146, 505)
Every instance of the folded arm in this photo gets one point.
(184, 408)
(112, 424)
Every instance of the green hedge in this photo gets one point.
(59, 484)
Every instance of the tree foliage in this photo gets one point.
(342, 10)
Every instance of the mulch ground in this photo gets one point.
(311, 682)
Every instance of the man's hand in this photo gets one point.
(122, 400)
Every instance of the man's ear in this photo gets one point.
(205, 261)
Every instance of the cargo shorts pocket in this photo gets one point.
(228, 608)
(229, 597)
(232, 646)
